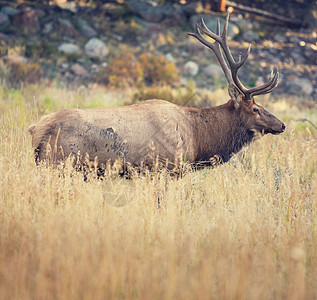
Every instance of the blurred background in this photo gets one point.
(144, 45)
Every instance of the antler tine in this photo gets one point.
(266, 90)
(242, 62)
(220, 47)
(225, 27)
(222, 40)
(225, 42)
(272, 82)
(214, 47)
(205, 30)
(267, 87)
(218, 26)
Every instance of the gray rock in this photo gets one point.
(78, 70)
(145, 10)
(288, 60)
(173, 15)
(94, 68)
(250, 36)
(297, 56)
(193, 8)
(48, 27)
(27, 20)
(183, 81)
(300, 86)
(275, 60)
(86, 29)
(294, 39)
(191, 68)
(40, 13)
(211, 23)
(213, 70)
(69, 48)
(280, 38)
(158, 13)
(243, 24)
(170, 57)
(183, 53)
(65, 27)
(5, 38)
(4, 20)
(273, 51)
(116, 36)
(311, 55)
(152, 31)
(292, 72)
(60, 28)
(96, 48)
(64, 66)
(9, 11)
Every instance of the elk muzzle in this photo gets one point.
(276, 126)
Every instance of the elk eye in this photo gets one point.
(255, 110)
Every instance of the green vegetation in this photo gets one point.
(40, 49)
(17, 74)
(127, 70)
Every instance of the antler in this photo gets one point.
(219, 47)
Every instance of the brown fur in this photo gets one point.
(139, 134)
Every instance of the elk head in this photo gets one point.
(254, 116)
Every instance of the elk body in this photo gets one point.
(152, 130)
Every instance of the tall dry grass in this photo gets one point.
(244, 230)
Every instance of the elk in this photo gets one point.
(137, 134)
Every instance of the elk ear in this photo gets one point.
(235, 95)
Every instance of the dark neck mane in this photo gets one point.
(221, 133)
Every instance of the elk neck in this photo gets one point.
(221, 131)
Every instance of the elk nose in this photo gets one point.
(283, 127)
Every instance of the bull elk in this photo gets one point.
(137, 133)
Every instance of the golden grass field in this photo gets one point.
(243, 230)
